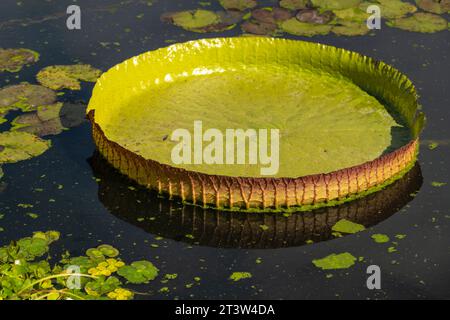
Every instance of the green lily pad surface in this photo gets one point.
(239, 5)
(203, 20)
(391, 8)
(13, 60)
(346, 226)
(335, 4)
(294, 4)
(420, 22)
(295, 27)
(335, 261)
(67, 76)
(26, 97)
(18, 146)
(434, 6)
(139, 272)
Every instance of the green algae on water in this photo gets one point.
(67, 76)
(237, 276)
(380, 238)
(335, 261)
(346, 226)
(13, 60)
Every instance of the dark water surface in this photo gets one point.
(88, 211)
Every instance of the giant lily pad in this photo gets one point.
(434, 6)
(335, 4)
(67, 76)
(18, 146)
(295, 27)
(239, 5)
(420, 22)
(25, 96)
(349, 117)
(139, 272)
(13, 60)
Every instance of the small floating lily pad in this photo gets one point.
(314, 16)
(295, 27)
(18, 146)
(13, 60)
(259, 28)
(351, 29)
(202, 20)
(335, 4)
(239, 5)
(271, 16)
(420, 22)
(335, 261)
(67, 76)
(352, 15)
(380, 238)
(139, 272)
(434, 6)
(346, 226)
(391, 9)
(236, 276)
(25, 96)
(294, 4)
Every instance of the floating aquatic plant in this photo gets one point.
(67, 76)
(237, 276)
(420, 22)
(25, 272)
(335, 261)
(25, 97)
(347, 226)
(295, 27)
(18, 146)
(294, 4)
(335, 4)
(391, 9)
(434, 6)
(239, 5)
(139, 272)
(13, 60)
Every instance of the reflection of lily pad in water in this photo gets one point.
(13, 60)
(25, 96)
(335, 4)
(335, 261)
(294, 4)
(391, 8)
(295, 27)
(18, 146)
(67, 76)
(206, 227)
(434, 6)
(51, 119)
(420, 22)
(203, 20)
(239, 5)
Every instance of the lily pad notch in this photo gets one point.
(225, 192)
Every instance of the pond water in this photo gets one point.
(73, 191)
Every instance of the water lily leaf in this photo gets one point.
(391, 9)
(434, 6)
(313, 16)
(259, 28)
(352, 15)
(271, 16)
(380, 238)
(18, 146)
(95, 254)
(139, 272)
(108, 251)
(49, 236)
(294, 4)
(67, 76)
(25, 96)
(348, 28)
(193, 20)
(101, 286)
(239, 5)
(30, 248)
(295, 27)
(51, 119)
(335, 4)
(13, 60)
(420, 22)
(335, 261)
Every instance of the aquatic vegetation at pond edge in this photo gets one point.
(26, 274)
(13, 60)
(67, 76)
(335, 261)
